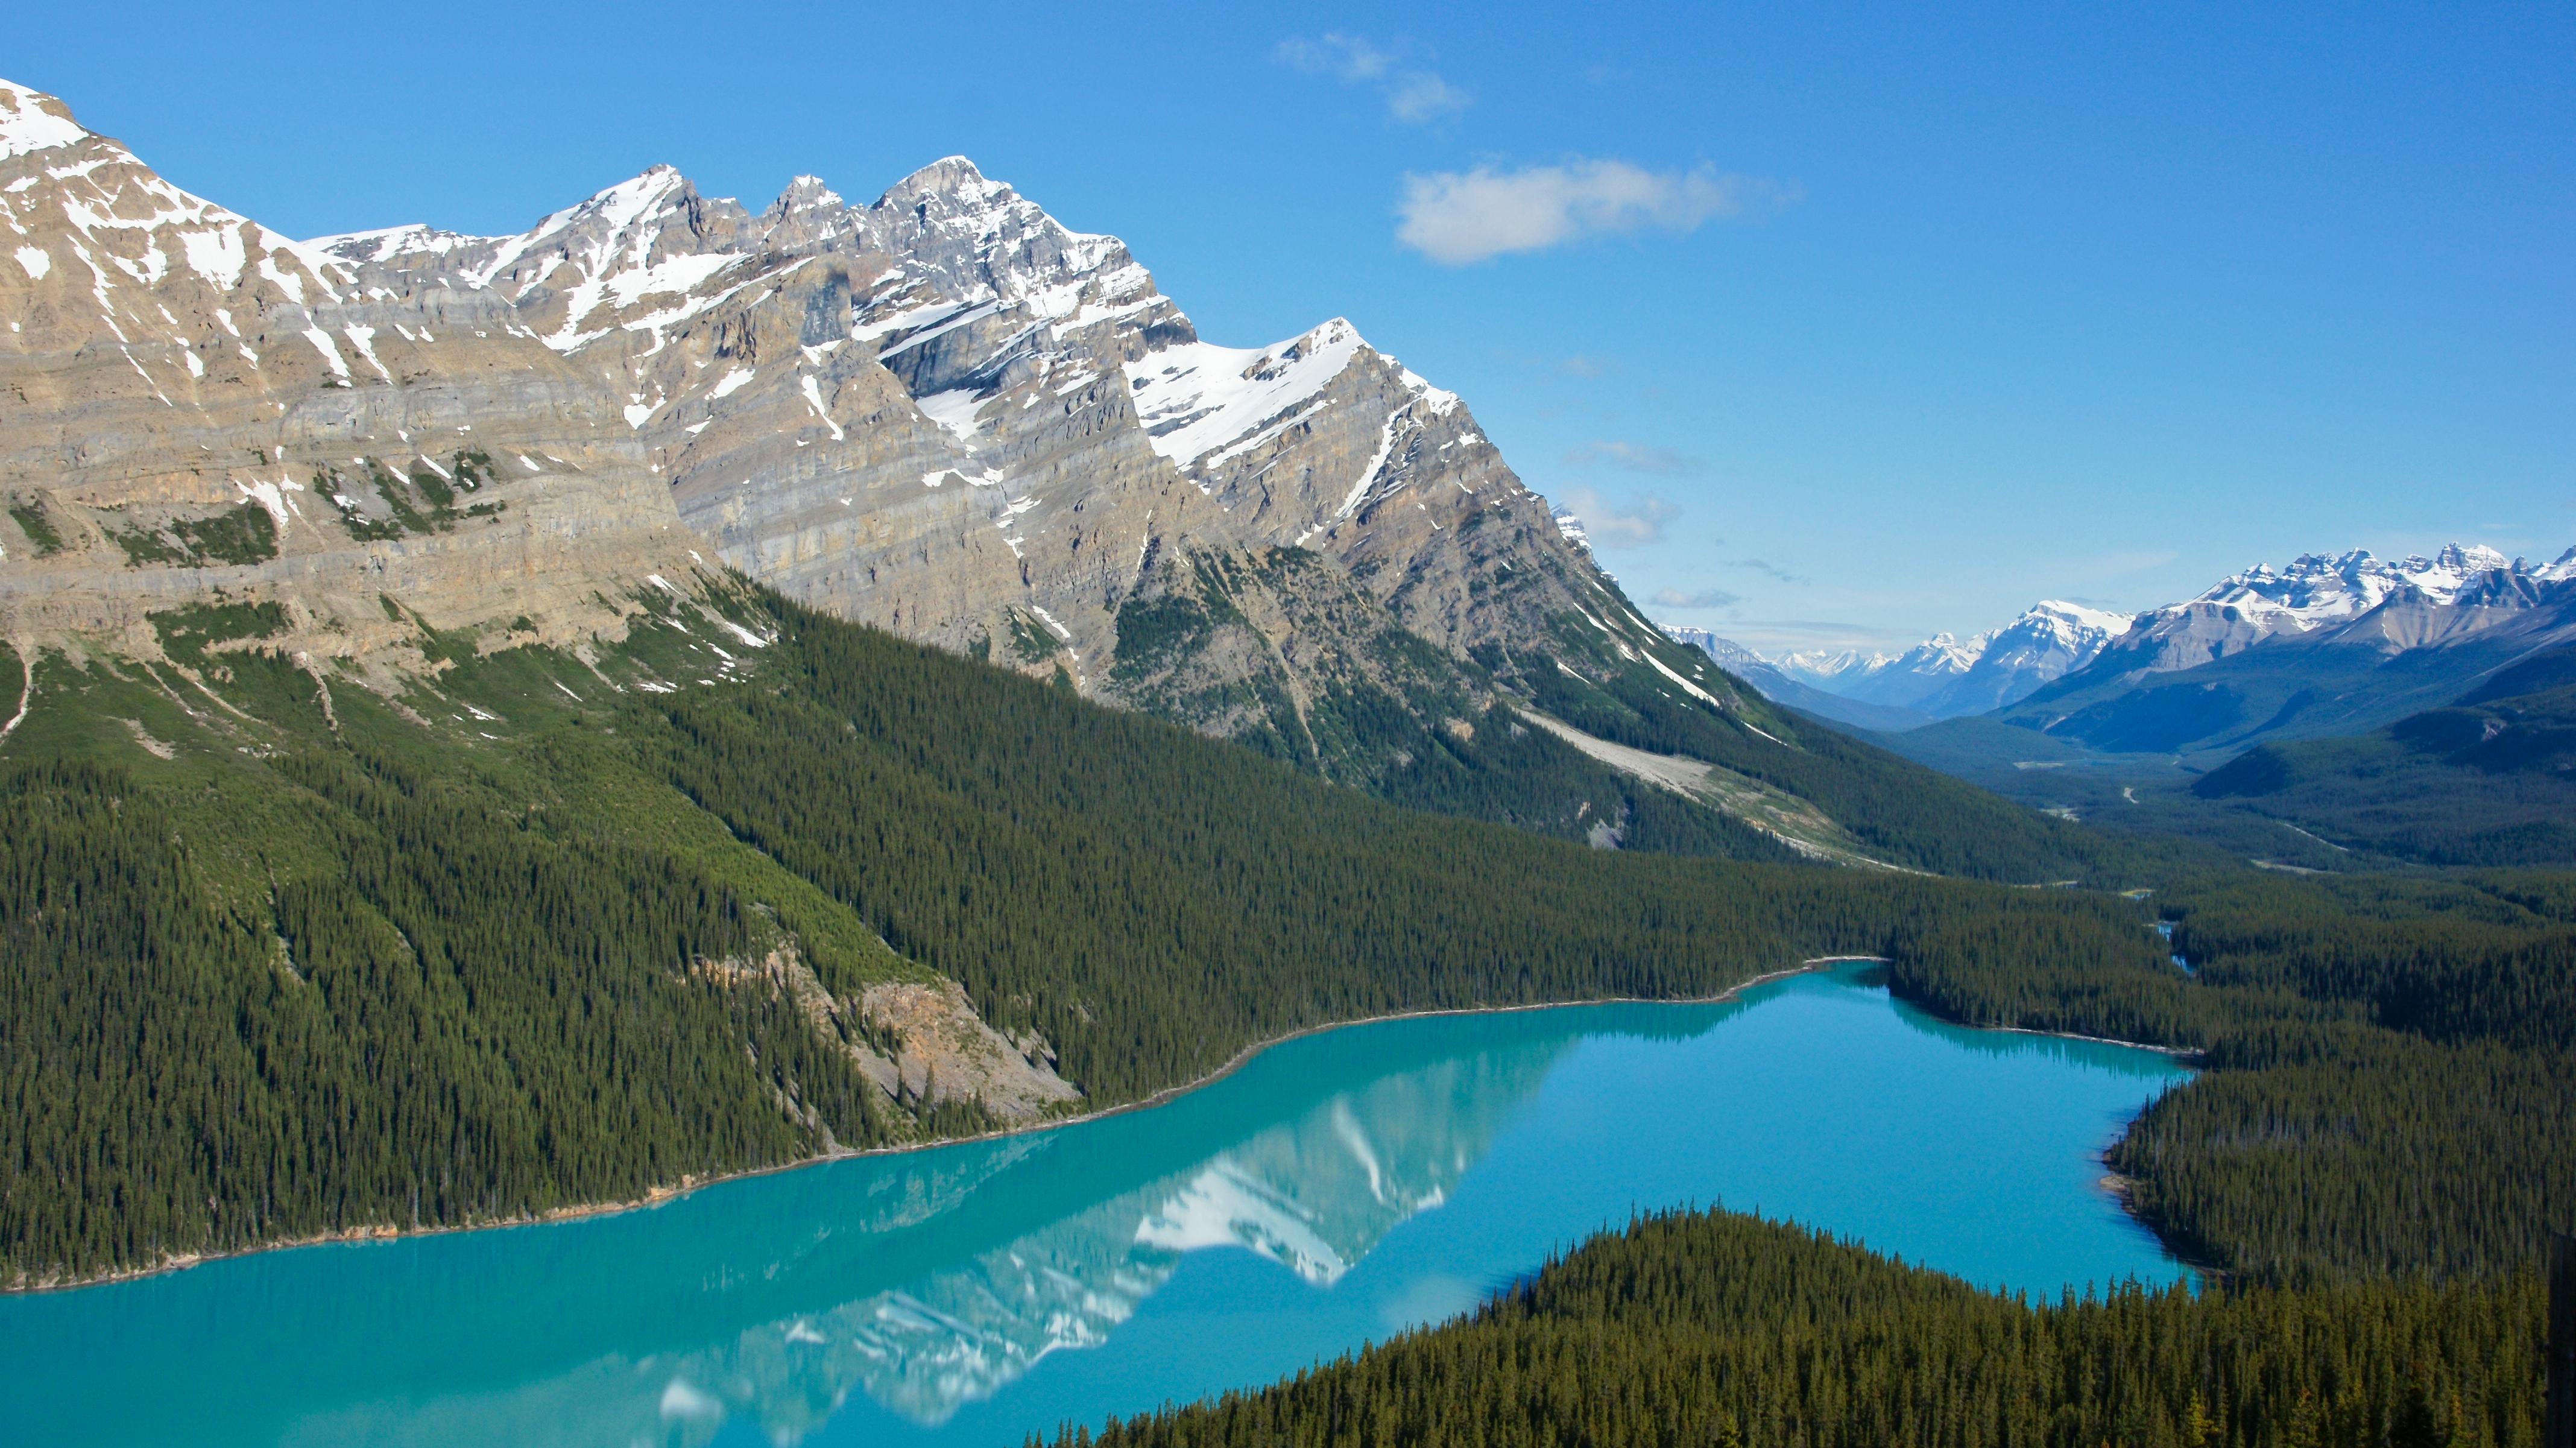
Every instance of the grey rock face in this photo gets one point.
(198, 407)
(943, 413)
(949, 415)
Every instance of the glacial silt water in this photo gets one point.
(1338, 1189)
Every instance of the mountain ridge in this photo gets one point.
(941, 413)
(2089, 658)
(1018, 439)
(2330, 644)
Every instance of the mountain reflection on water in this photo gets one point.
(1313, 1194)
(1372, 1178)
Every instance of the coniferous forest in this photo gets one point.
(1720, 1329)
(341, 964)
(358, 972)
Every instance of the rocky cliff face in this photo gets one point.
(942, 412)
(201, 410)
(947, 414)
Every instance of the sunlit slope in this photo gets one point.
(543, 927)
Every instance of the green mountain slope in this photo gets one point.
(545, 927)
(1901, 812)
(1367, 703)
(2489, 780)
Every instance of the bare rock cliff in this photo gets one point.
(197, 409)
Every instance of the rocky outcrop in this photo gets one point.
(945, 1052)
(199, 408)
(947, 414)
(920, 1041)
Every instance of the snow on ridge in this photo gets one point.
(27, 126)
(1196, 397)
(807, 190)
(2049, 626)
(387, 242)
(2319, 588)
(111, 192)
(2079, 615)
(680, 273)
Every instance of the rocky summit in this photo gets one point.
(942, 412)
(947, 414)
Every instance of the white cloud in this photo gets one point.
(1459, 217)
(1768, 570)
(1345, 57)
(1635, 457)
(1615, 525)
(1417, 96)
(1412, 94)
(1702, 598)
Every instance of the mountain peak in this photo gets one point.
(2469, 557)
(628, 199)
(2110, 622)
(807, 191)
(952, 178)
(32, 121)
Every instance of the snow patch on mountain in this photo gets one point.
(2317, 588)
(27, 126)
(1198, 397)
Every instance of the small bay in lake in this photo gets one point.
(1339, 1188)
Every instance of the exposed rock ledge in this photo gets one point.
(943, 1051)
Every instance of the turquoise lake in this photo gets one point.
(1337, 1189)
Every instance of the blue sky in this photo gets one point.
(1842, 326)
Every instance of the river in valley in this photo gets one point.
(1339, 1188)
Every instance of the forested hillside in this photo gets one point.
(2393, 1064)
(545, 929)
(2370, 1164)
(1727, 1330)
(2487, 780)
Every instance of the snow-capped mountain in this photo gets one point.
(1780, 688)
(1731, 656)
(942, 412)
(2313, 591)
(949, 414)
(1944, 677)
(2327, 644)
(2409, 602)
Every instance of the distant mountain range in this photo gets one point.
(2328, 643)
(1944, 677)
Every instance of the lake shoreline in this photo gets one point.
(687, 1186)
